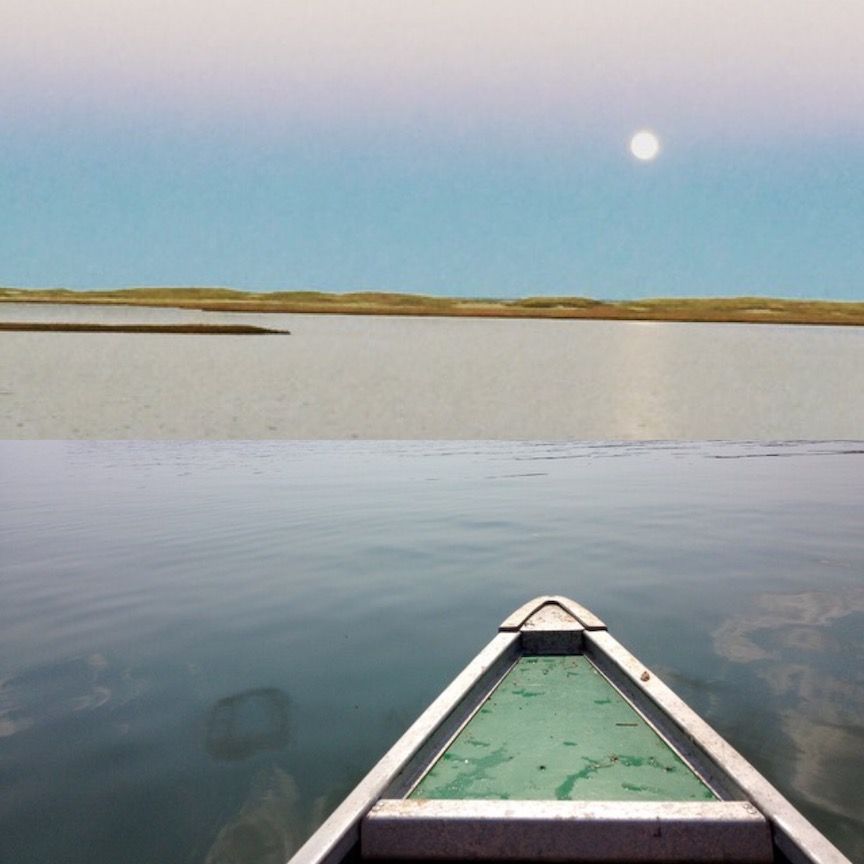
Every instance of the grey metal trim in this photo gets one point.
(597, 831)
(584, 616)
(793, 835)
(341, 830)
(416, 768)
(713, 759)
(718, 781)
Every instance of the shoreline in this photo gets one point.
(733, 310)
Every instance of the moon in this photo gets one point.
(645, 145)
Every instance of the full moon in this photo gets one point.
(645, 146)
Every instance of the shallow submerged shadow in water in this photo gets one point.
(244, 724)
(265, 829)
(272, 823)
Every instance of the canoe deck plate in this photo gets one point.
(555, 729)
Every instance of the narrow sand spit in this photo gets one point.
(387, 377)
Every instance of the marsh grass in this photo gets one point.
(198, 329)
(750, 310)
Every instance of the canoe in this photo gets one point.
(557, 744)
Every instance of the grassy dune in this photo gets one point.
(726, 309)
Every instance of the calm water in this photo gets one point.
(374, 377)
(204, 645)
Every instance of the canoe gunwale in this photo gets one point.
(341, 830)
(626, 674)
(561, 626)
(726, 769)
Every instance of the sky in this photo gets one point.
(456, 147)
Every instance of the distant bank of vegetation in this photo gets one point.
(721, 309)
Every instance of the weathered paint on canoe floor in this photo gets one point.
(555, 728)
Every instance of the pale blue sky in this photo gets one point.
(466, 148)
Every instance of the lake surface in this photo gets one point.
(375, 377)
(204, 645)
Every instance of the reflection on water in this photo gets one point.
(45, 694)
(805, 649)
(779, 626)
(241, 725)
(149, 590)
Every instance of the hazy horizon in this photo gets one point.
(478, 149)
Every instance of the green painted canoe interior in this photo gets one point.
(554, 728)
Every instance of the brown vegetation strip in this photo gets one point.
(747, 310)
(200, 329)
